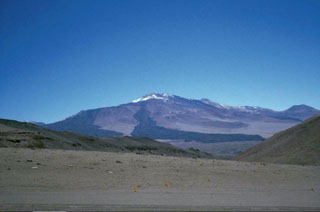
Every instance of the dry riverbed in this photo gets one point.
(84, 180)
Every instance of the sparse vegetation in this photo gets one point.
(41, 137)
(140, 148)
(176, 150)
(37, 144)
(76, 144)
(14, 140)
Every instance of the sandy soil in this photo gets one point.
(83, 180)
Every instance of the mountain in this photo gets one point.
(181, 114)
(301, 112)
(170, 117)
(26, 135)
(297, 145)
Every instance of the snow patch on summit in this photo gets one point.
(218, 105)
(164, 97)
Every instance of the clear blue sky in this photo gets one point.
(59, 57)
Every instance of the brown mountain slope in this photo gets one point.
(297, 145)
(26, 135)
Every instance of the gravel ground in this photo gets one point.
(84, 180)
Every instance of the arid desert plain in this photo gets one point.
(88, 180)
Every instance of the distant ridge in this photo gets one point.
(174, 119)
(297, 145)
(181, 114)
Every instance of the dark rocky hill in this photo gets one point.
(27, 135)
(297, 145)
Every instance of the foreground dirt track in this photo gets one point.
(83, 180)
